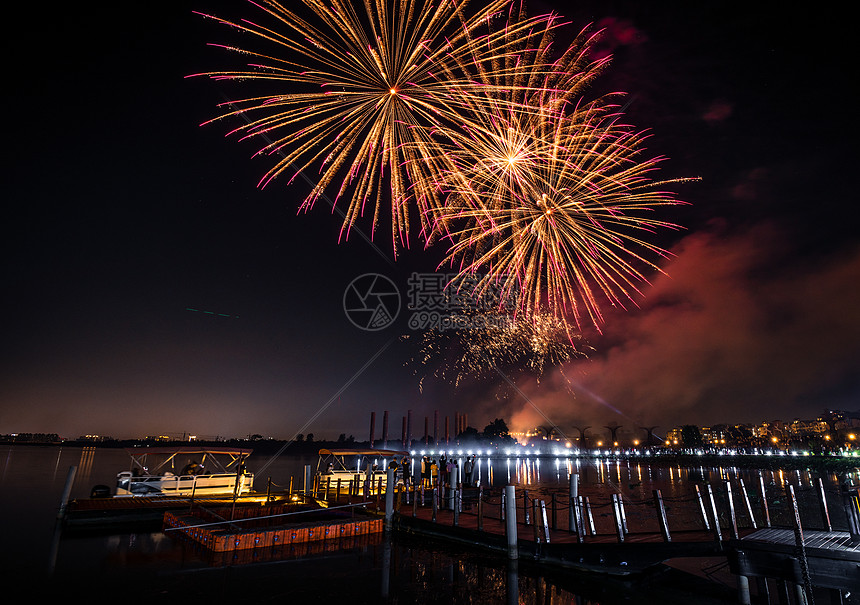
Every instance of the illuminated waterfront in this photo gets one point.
(397, 571)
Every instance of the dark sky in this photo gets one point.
(122, 213)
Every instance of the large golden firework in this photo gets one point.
(550, 198)
(362, 94)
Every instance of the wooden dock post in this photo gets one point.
(588, 512)
(851, 505)
(435, 504)
(579, 520)
(574, 519)
(526, 516)
(803, 586)
(616, 510)
(822, 502)
(661, 515)
(718, 532)
(415, 501)
(732, 517)
(764, 508)
(510, 501)
(622, 512)
(456, 507)
(744, 590)
(67, 490)
(702, 508)
(389, 498)
(543, 517)
(308, 486)
(747, 503)
(481, 509)
(553, 511)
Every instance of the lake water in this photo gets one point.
(37, 560)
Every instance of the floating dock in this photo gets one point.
(102, 513)
(227, 530)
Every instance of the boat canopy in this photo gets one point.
(338, 459)
(170, 456)
(363, 452)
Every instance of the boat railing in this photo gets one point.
(170, 482)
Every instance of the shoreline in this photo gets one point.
(817, 462)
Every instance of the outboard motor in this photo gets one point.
(100, 491)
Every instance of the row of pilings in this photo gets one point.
(406, 437)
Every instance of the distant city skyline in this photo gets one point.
(830, 421)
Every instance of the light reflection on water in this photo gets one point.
(32, 480)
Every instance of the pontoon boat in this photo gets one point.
(185, 471)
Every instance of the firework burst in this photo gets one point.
(360, 93)
(488, 345)
(551, 200)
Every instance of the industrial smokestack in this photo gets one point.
(372, 427)
(385, 430)
(408, 429)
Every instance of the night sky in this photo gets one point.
(150, 287)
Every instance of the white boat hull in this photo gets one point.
(128, 485)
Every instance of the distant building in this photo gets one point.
(94, 438)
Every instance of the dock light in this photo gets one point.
(851, 436)
(459, 452)
(599, 444)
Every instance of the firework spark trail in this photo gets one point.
(373, 88)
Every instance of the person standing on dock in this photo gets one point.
(467, 472)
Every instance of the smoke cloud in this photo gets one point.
(735, 332)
